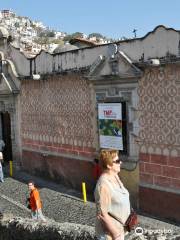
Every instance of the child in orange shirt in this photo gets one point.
(35, 203)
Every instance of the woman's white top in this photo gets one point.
(119, 204)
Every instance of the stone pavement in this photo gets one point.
(59, 203)
(65, 205)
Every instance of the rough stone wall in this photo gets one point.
(159, 121)
(27, 229)
(57, 115)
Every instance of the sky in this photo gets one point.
(112, 18)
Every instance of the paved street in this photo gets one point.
(60, 203)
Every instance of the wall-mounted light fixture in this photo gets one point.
(154, 62)
(36, 76)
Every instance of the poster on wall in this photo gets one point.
(110, 125)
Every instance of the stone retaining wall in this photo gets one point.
(27, 229)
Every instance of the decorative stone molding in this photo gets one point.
(2, 106)
(124, 93)
(9, 107)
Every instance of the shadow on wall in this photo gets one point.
(130, 180)
(67, 171)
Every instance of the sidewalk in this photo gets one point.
(59, 203)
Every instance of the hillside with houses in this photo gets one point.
(33, 36)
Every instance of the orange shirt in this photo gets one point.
(35, 201)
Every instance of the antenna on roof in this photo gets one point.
(134, 31)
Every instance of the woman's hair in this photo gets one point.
(107, 156)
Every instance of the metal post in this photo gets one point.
(84, 192)
(10, 168)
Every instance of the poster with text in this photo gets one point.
(110, 125)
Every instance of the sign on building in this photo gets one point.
(110, 125)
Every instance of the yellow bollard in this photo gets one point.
(84, 192)
(10, 168)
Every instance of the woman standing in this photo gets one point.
(111, 197)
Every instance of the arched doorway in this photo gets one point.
(5, 134)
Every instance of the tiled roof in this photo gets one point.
(82, 40)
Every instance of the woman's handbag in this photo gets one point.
(131, 221)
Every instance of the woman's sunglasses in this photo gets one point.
(117, 161)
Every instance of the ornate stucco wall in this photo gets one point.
(159, 138)
(58, 123)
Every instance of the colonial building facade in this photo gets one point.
(49, 117)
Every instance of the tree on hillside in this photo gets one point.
(47, 40)
(73, 35)
(16, 24)
(42, 40)
(77, 35)
(57, 41)
(46, 33)
(50, 34)
(97, 35)
(67, 38)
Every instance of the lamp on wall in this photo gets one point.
(154, 62)
(36, 76)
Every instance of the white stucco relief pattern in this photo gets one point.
(57, 110)
(159, 106)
